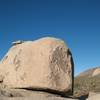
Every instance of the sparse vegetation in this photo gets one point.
(84, 84)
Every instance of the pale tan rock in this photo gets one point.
(42, 64)
(94, 96)
(35, 98)
(96, 72)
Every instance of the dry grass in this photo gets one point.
(84, 84)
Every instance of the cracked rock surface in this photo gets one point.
(44, 64)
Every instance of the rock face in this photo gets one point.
(96, 71)
(44, 64)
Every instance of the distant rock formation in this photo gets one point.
(90, 72)
(87, 73)
(87, 82)
(96, 71)
(44, 64)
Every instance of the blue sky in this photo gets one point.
(77, 22)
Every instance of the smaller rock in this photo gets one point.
(17, 42)
(94, 96)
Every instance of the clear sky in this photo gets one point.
(77, 22)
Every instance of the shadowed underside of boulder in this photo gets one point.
(44, 64)
(21, 94)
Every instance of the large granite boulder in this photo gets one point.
(44, 64)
